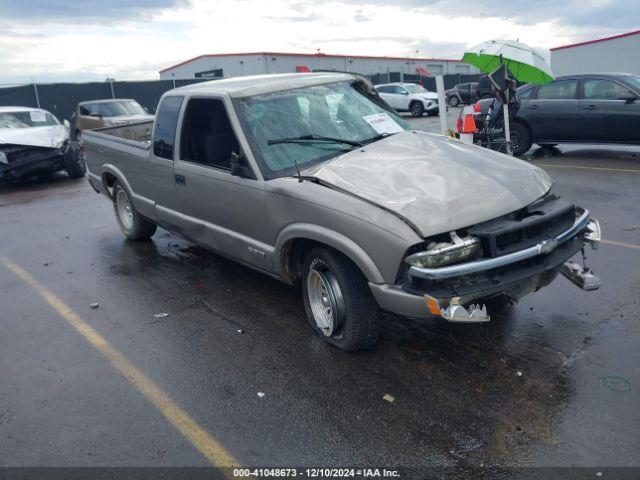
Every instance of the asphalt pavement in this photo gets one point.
(234, 372)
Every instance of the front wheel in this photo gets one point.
(338, 301)
(132, 224)
(417, 109)
(520, 138)
(74, 162)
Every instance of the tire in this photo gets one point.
(74, 162)
(133, 225)
(338, 301)
(454, 101)
(520, 138)
(416, 109)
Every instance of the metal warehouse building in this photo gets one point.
(620, 53)
(239, 64)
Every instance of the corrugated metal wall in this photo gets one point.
(619, 55)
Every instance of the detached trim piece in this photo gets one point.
(546, 246)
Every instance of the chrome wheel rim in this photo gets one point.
(325, 299)
(415, 110)
(125, 212)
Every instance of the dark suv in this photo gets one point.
(588, 108)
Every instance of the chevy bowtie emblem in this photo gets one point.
(548, 246)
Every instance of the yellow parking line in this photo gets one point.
(199, 438)
(620, 244)
(606, 169)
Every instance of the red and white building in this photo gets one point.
(617, 54)
(238, 64)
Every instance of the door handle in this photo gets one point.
(180, 180)
(589, 107)
(532, 107)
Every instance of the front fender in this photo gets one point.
(340, 242)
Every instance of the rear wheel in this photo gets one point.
(520, 138)
(132, 224)
(338, 302)
(416, 109)
(454, 101)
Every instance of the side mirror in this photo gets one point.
(628, 97)
(404, 93)
(240, 167)
(66, 123)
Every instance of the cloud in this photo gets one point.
(76, 11)
(137, 38)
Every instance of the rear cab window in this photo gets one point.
(164, 132)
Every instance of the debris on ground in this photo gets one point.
(240, 330)
(261, 394)
(389, 398)
(519, 373)
(161, 315)
(94, 305)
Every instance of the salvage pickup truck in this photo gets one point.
(313, 179)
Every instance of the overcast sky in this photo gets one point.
(79, 40)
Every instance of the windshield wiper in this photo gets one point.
(314, 138)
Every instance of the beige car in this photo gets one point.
(109, 113)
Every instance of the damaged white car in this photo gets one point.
(34, 142)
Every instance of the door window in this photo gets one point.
(600, 89)
(164, 135)
(385, 89)
(208, 137)
(399, 90)
(558, 90)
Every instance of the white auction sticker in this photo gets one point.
(383, 123)
(37, 116)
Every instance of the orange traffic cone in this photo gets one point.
(469, 125)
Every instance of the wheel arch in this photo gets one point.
(294, 241)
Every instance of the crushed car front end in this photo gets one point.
(22, 161)
(454, 275)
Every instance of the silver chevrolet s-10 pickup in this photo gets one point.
(315, 180)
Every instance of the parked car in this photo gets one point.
(589, 108)
(34, 142)
(409, 97)
(107, 113)
(461, 94)
(312, 179)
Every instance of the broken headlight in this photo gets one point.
(439, 254)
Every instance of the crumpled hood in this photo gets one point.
(437, 184)
(51, 136)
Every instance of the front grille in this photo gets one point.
(526, 227)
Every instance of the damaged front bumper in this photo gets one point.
(24, 161)
(456, 292)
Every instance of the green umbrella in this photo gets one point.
(525, 64)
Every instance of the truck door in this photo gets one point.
(159, 184)
(223, 211)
